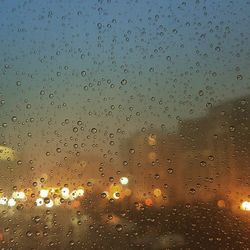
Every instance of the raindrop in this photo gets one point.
(103, 195)
(99, 25)
(119, 227)
(93, 130)
(131, 151)
(14, 118)
(83, 73)
(75, 129)
(218, 49)
(123, 81)
(192, 190)
(239, 77)
(125, 163)
(231, 128)
(201, 93)
(157, 176)
(29, 234)
(211, 157)
(170, 170)
(208, 104)
(203, 163)
(20, 207)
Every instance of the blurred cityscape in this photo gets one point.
(207, 156)
(199, 170)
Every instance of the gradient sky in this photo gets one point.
(177, 58)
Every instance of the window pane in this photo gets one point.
(124, 124)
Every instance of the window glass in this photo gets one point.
(124, 124)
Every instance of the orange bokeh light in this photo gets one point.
(149, 202)
(76, 204)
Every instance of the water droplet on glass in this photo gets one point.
(131, 151)
(14, 118)
(157, 176)
(203, 163)
(170, 170)
(119, 227)
(103, 195)
(217, 49)
(83, 73)
(123, 81)
(192, 190)
(232, 128)
(201, 93)
(93, 130)
(75, 129)
(239, 77)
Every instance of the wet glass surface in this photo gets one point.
(124, 124)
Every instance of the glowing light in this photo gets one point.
(50, 204)
(39, 202)
(124, 180)
(57, 191)
(57, 201)
(11, 202)
(28, 191)
(149, 202)
(80, 192)
(221, 203)
(116, 195)
(152, 156)
(157, 192)
(127, 192)
(115, 188)
(152, 140)
(44, 193)
(6, 153)
(18, 195)
(65, 193)
(245, 206)
(73, 195)
(3, 201)
(76, 204)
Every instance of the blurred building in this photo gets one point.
(151, 159)
(220, 142)
(208, 156)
